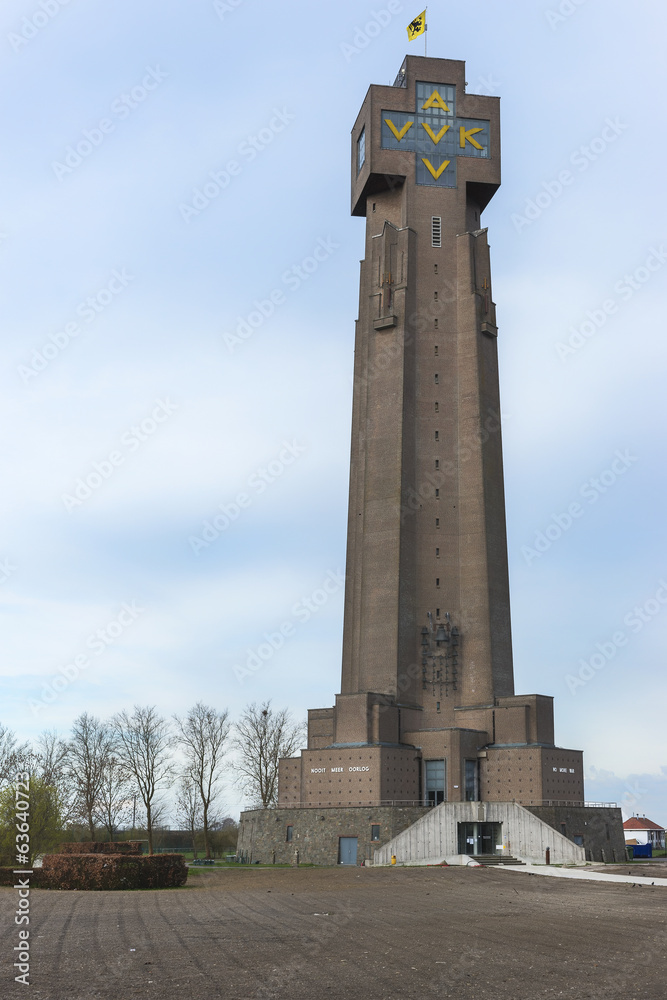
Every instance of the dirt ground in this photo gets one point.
(646, 869)
(343, 934)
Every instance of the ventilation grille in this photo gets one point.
(436, 231)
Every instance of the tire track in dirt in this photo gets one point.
(60, 945)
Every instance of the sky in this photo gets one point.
(176, 374)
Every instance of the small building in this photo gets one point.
(640, 830)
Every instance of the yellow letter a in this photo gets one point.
(431, 168)
(435, 101)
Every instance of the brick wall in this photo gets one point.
(601, 828)
(315, 832)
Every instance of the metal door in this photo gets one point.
(347, 851)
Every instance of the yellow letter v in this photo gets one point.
(431, 168)
(399, 135)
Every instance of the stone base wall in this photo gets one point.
(600, 827)
(316, 832)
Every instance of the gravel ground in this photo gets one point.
(343, 934)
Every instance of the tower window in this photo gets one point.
(437, 461)
(437, 494)
(437, 407)
(361, 149)
(435, 268)
(437, 435)
(434, 779)
(437, 380)
(437, 552)
(436, 350)
(437, 581)
(435, 323)
(435, 296)
(437, 612)
(436, 232)
(288, 834)
(437, 522)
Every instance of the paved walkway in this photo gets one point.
(581, 873)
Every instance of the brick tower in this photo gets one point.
(427, 711)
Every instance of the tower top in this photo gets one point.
(426, 128)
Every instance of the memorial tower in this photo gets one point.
(427, 650)
(427, 713)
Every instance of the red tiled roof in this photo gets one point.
(641, 823)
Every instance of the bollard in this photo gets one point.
(393, 859)
(548, 856)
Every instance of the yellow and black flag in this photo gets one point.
(417, 27)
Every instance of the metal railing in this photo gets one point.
(328, 804)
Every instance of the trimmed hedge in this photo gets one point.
(104, 871)
(38, 879)
(101, 847)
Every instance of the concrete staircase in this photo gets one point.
(496, 859)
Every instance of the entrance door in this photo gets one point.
(479, 838)
(487, 838)
(347, 851)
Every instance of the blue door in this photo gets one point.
(347, 851)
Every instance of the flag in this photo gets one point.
(417, 27)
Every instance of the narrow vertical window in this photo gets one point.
(361, 149)
(437, 581)
(288, 834)
(436, 232)
(436, 350)
(437, 435)
(437, 379)
(437, 553)
(437, 407)
(437, 463)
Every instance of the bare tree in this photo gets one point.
(50, 764)
(262, 737)
(202, 735)
(115, 799)
(144, 746)
(189, 811)
(13, 756)
(89, 752)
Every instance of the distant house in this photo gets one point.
(640, 830)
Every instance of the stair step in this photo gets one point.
(496, 859)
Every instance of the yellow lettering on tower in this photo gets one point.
(436, 138)
(435, 101)
(399, 135)
(463, 135)
(431, 168)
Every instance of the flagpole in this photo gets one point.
(425, 29)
